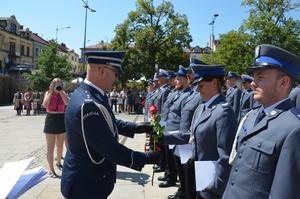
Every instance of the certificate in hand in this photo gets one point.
(205, 174)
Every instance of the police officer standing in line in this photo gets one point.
(158, 100)
(164, 90)
(266, 152)
(233, 93)
(89, 169)
(173, 123)
(246, 96)
(213, 128)
(150, 92)
(173, 91)
(187, 109)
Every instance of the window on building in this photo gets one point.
(28, 51)
(12, 48)
(36, 52)
(13, 28)
(72, 58)
(22, 50)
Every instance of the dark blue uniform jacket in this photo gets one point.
(82, 178)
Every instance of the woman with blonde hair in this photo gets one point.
(55, 101)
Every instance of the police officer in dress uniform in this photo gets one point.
(164, 90)
(233, 93)
(172, 124)
(166, 106)
(213, 128)
(245, 96)
(158, 100)
(186, 112)
(266, 151)
(150, 92)
(89, 169)
(188, 108)
(172, 120)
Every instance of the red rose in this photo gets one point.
(153, 109)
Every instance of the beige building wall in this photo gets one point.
(15, 44)
(73, 59)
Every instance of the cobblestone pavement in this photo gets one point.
(22, 137)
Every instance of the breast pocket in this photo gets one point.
(260, 155)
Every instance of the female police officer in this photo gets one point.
(213, 128)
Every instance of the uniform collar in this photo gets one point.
(208, 103)
(94, 86)
(269, 111)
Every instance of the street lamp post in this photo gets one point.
(212, 41)
(57, 29)
(86, 6)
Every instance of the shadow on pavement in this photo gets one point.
(139, 178)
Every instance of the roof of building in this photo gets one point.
(35, 37)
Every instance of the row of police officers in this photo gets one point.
(251, 132)
(256, 158)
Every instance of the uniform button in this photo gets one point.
(240, 155)
(232, 182)
(245, 142)
(259, 145)
(104, 176)
(236, 169)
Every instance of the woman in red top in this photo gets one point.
(55, 101)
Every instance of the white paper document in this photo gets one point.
(185, 152)
(10, 174)
(205, 172)
(28, 179)
(171, 146)
(15, 180)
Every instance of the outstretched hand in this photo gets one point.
(153, 157)
(143, 127)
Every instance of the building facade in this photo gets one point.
(15, 45)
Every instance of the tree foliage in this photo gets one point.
(152, 35)
(268, 23)
(236, 51)
(51, 65)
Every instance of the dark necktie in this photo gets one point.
(259, 117)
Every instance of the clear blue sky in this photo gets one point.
(44, 16)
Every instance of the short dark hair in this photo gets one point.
(292, 80)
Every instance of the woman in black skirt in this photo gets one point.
(55, 101)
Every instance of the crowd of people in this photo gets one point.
(128, 100)
(246, 126)
(28, 101)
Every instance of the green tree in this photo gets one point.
(269, 23)
(51, 65)
(152, 35)
(236, 51)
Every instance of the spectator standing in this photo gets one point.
(55, 101)
(28, 101)
(114, 99)
(18, 102)
(36, 105)
(130, 105)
